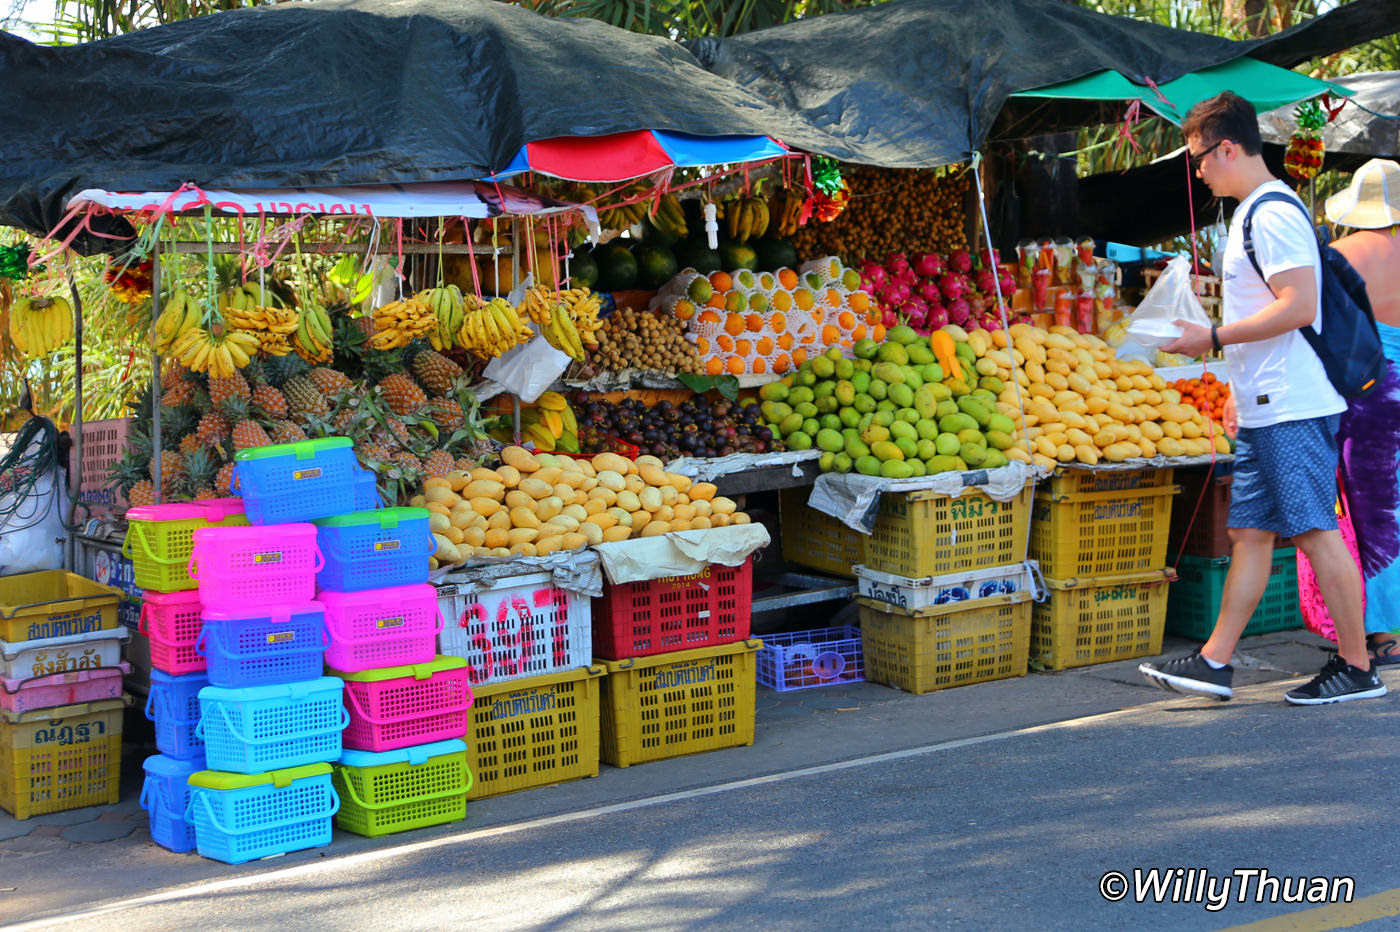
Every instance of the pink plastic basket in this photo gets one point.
(59, 689)
(398, 707)
(381, 627)
(171, 620)
(239, 566)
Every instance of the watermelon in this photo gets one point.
(656, 265)
(617, 267)
(737, 256)
(774, 254)
(583, 271)
(696, 254)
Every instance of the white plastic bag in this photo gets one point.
(31, 527)
(528, 369)
(1171, 299)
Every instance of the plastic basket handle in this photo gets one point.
(296, 736)
(1039, 591)
(378, 720)
(320, 558)
(141, 619)
(146, 546)
(189, 567)
(262, 826)
(30, 679)
(444, 794)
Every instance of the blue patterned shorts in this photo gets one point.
(1286, 477)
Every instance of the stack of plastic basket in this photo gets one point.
(404, 763)
(159, 542)
(61, 697)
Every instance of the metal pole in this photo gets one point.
(75, 457)
(515, 407)
(155, 368)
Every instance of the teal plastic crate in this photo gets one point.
(1194, 600)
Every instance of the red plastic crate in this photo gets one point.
(673, 613)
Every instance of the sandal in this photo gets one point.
(1384, 653)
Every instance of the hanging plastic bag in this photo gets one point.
(1171, 299)
(528, 369)
(33, 502)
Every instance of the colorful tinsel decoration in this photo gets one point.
(14, 262)
(830, 193)
(1303, 158)
(129, 283)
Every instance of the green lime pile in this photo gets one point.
(891, 411)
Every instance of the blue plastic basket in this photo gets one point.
(173, 704)
(366, 491)
(260, 728)
(264, 646)
(243, 818)
(299, 481)
(374, 549)
(804, 659)
(165, 795)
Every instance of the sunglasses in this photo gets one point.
(1195, 160)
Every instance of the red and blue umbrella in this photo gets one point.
(623, 156)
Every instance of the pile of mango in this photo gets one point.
(917, 405)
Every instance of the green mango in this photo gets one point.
(946, 407)
(999, 441)
(878, 389)
(992, 384)
(806, 409)
(861, 381)
(994, 459)
(893, 352)
(972, 454)
(901, 394)
(866, 349)
(956, 422)
(884, 450)
(856, 448)
(773, 391)
(1001, 422)
(801, 394)
(875, 434)
(896, 469)
(927, 449)
(827, 404)
(912, 377)
(864, 403)
(920, 354)
(849, 417)
(973, 436)
(985, 398)
(774, 411)
(966, 354)
(902, 334)
(958, 387)
(845, 368)
(865, 421)
(827, 462)
(903, 429)
(830, 422)
(822, 389)
(883, 418)
(798, 440)
(927, 429)
(823, 367)
(948, 444)
(805, 378)
(974, 409)
(810, 426)
(940, 391)
(843, 462)
(864, 365)
(792, 422)
(910, 448)
(845, 392)
(890, 373)
(884, 404)
(925, 403)
(908, 415)
(830, 440)
(945, 464)
(867, 466)
(932, 372)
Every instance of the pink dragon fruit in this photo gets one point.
(896, 293)
(929, 264)
(873, 276)
(928, 290)
(991, 321)
(953, 286)
(960, 260)
(937, 317)
(977, 303)
(916, 310)
(986, 281)
(896, 262)
(890, 319)
(958, 311)
(1008, 285)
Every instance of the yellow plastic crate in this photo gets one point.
(61, 758)
(54, 603)
(1072, 481)
(534, 731)
(813, 538)
(684, 702)
(1087, 621)
(1095, 534)
(920, 534)
(946, 645)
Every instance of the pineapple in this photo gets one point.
(439, 463)
(213, 429)
(130, 471)
(278, 370)
(447, 413)
(304, 398)
(223, 480)
(248, 433)
(406, 462)
(189, 444)
(141, 493)
(200, 470)
(221, 390)
(435, 371)
(178, 391)
(171, 465)
(272, 402)
(372, 454)
(466, 463)
(329, 381)
(285, 432)
(402, 394)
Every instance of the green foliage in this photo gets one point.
(686, 20)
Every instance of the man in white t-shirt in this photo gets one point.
(1283, 412)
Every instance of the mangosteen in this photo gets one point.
(763, 433)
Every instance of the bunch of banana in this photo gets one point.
(623, 216)
(550, 424)
(491, 329)
(272, 327)
(179, 313)
(399, 323)
(747, 217)
(218, 351)
(787, 210)
(563, 335)
(313, 341)
(669, 218)
(245, 297)
(583, 307)
(539, 305)
(38, 326)
(451, 311)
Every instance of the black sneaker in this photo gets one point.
(1190, 674)
(1338, 682)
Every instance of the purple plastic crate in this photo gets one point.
(806, 659)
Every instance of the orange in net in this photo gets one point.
(725, 342)
(859, 301)
(716, 300)
(734, 325)
(743, 347)
(758, 365)
(787, 278)
(779, 322)
(702, 346)
(720, 281)
(764, 346)
(708, 316)
(859, 332)
(846, 320)
(878, 333)
(833, 297)
(782, 362)
(754, 322)
(684, 309)
(831, 335)
(714, 366)
(737, 365)
(785, 341)
(804, 299)
(782, 301)
(799, 356)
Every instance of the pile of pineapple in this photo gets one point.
(410, 414)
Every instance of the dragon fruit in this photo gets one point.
(960, 260)
(937, 317)
(929, 264)
(890, 319)
(916, 310)
(896, 293)
(953, 286)
(986, 281)
(928, 290)
(976, 303)
(958, 311)
(896, 262)
(873, 276)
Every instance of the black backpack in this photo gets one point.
(1351, 351)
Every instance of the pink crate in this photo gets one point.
(171, 620)
(238, 566)
(59, 689)
(398, 707)
(104, 442)
(387, 627)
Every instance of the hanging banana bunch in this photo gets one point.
(787, 210)
(747, 217)
(38, 326)
(669, 218)
(492, 328)
(399, 323)
(312, 340)
(448, 306)
(178, 314)
(218, 351)
(539, 305)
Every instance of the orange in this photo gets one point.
(720, 281)
(754, 322)
(782, 301)
(878, 334)
(846, 319)
(858, 333)
(716, 300)
(702, 346)
(787, 278)
(804, 299)
(778, 322)
(781, 362)
(736, 365)
(831, 335)
(743, 347)
(734, 302)
(785, 341)
(708, 316)
(758, 365)
(684, 310)
(765, 346)
(833, 297)
(714, 366)
(734, 325)
(725, 342)
(799, 356)
(859, 301)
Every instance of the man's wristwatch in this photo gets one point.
(1215, 338)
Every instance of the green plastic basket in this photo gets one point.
(395, 791)
(1194, 600)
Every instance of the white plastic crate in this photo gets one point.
(914, 595)
(44, 656)
(522, 626)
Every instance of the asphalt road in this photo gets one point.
(1009, 830)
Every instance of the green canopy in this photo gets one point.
(1266, 86)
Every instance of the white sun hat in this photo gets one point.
(1371, 201)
